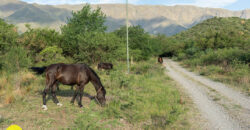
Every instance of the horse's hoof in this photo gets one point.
(59, 104)
(81, 106)
(44, 107)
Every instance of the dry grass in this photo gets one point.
(148, 100)
(237, 76)
(13, 86)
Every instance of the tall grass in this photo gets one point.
(15, 85)
(236, 74)
(144, 99)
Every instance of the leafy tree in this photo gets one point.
(15, 59)
(8, 36)
(79, 30)
(98, 47)
(214, 41)
(51, 55)
(36, 40)
(139, 41)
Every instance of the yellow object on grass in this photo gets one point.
(14, 127)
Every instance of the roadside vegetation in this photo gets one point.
(145, 99)
(218, 48)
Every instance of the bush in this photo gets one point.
(139, 40)
(214, 41)
(8, 36)
(36, 40)
(15, 59)
(80, 29)
(181, 56)
(51, 55)
(95, 47)
(223, 56)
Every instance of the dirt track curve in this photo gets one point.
(223, 107)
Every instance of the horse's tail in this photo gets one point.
(38, 70)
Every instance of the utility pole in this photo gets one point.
(127, 34)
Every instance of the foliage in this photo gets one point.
(215, 48)
(36, 40)
(135, 98)
(146, 100)
(224, 38)
(83, 24)
(15, 59)
(8, 36)
(51, 55)
(139, 41)
(98, 47)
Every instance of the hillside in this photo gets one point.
(217, 33)
(218, 48)
(167, 20)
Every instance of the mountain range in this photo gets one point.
(167, 20)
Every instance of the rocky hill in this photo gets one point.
(167, 20)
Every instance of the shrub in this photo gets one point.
(81, 27)
(8, 36)
(139, 40)
(223, 56)
(38, 39)
(51, 55)
(15, 59)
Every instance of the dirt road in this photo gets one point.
(223, 107)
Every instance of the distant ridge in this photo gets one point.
(167, 20)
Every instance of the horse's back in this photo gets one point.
(105, 66)
(68, 74)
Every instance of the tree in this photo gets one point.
(103, 47)
(15, 59)
(36, 40)
(8, 36)
(139, 41)
(80, 29)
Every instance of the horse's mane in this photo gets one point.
(94, 75)
(94, 72)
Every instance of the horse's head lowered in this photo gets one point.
(101, 92)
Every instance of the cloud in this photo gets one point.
(214, 3)
(202, 3)
(56, 2)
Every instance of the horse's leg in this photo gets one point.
(81, 88)
(57, 86)
(45, 91)
(75, 94)
(49, 83)
(53, 91)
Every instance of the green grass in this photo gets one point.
(236, 75)
(144, 99)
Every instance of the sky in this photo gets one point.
(227, 4)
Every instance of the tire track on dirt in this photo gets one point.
(235, 96)
(217, 117)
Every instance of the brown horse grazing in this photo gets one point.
(70, 74)
(160, 60)
(57, 86)
(106, 66)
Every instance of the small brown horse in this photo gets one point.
(160, 60)
(70, 74)
(106, 66)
